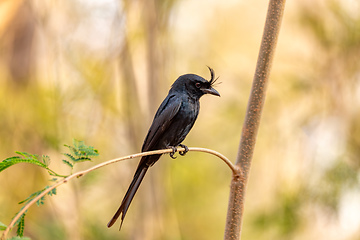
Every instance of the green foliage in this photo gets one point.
(68, 163)
(19, 238)
(25, 157)
(284, 217)
(35, 194)
(336, 180)
(79, 152)
(21, 225)
(2, 226)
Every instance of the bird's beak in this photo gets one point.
(211, 91)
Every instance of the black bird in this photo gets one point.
(172, 122)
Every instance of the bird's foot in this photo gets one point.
(182, 153)
(174, 149)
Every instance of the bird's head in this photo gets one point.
(195, 85)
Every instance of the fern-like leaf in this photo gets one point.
(28, 155)
(33, 195)
(20, 225)
(79, 153)
(41, 201)
(46, 160)
(68, 163)
(82, 159)
(8, 162)
(72, 149)
(71, 157)
(52, 192)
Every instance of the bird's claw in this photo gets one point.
(174, 149)
(182, 153)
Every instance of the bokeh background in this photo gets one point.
(96, 70)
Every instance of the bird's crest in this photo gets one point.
(212, 79)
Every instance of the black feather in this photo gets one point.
(172, 122)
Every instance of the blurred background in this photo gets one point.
(96, 70)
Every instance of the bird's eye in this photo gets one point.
(198, 85)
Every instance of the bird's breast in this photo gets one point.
(183, 122)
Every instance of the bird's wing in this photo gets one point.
(163, 117)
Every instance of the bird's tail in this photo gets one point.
(138, 177)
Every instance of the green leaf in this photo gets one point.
(20, 226)
(46, 160)
(27, 155)
(82, 159)
(52, 192)
(68, 163)
(79, 153)
(26, 158)
(19, 238)
(72, 150)
(33, 195)
(71, 157)
(8, 162)
(41, 201)
(2, 226)
(80, 149)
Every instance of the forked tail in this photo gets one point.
(138, 177)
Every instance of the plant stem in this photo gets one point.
(233, 168)
(55, 174)
(252, 119)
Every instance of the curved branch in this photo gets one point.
(233, 168)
